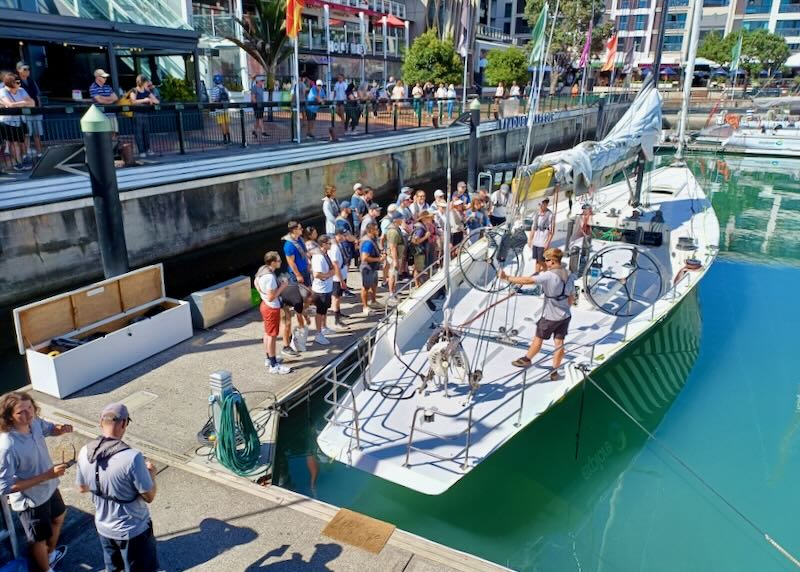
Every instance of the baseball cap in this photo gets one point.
(544, 201)
(218, 79)
(323, 239)
(115, 412)
(504, 188)
(391, 208)
(344, 205)
(406, 191)
(339, 230)
(99, 72)
(374, 206)
(260, 78)
(22, 65)
(403, 197)
(424, 214)
(438, 193)
(357, 186)
(319, 82)
(457, 202)
(441, 203)
(395, 216)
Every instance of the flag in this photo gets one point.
(538, 38)
(611, 55)
(628, 64)
(463, 37)
(587, 49)
(294, 22)
(735, 54)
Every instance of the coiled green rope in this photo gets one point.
(236, 427)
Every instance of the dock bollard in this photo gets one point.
(97, 130)
(221, 383)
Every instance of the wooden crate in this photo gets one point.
(220, 302)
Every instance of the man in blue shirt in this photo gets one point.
(371, 260)
(344, 225)
(313, 99)
(103, 94)
(359, 207)
(296, 255)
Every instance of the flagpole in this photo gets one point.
(464, 94)
(326, 17)
(297, 88)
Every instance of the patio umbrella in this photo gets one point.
(668, 71)
(719, 71)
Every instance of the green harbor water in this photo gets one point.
(717, 383)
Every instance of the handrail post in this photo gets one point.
(522, 397)
(180, 129)
(242, 127)
(394, 117)
(411, 436)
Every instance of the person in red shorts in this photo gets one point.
(266, 283)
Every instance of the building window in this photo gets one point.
(715, 3)
(507, 27)
(787, 28)
(633, 4)
(673, 43)
(638, 24)
(755, 25)
(678, 4)
(638, 43)
(757, 7)
(789, 6)
(522, 26)
(676, 21)
(520, 6)
(507, 11)
(794, 47)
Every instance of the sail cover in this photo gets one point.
(639, 128)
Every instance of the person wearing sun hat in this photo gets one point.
(122, 484)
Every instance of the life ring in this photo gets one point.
(732, 119)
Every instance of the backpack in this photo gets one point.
(224, 97)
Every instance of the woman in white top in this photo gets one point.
(11, 128)
(499, 95)
(398, 94)
(441, 95)
(268, 288)
(417, 94)
(322, 270)
(330, 208)
(515, 91)
(451, 96)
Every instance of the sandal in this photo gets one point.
(524, 361)
(554, 375)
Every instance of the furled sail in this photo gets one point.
(639, 128)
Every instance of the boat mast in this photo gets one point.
(688, 76)
(640, 161)
(446, 246)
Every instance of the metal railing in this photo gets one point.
(339, 384)
(222, 25)
(492, 33)
(414, 428)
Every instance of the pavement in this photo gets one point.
(206, 518)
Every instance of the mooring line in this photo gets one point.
(774, 543)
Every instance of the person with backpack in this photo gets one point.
(558, 288)
(219, 94)
(122, 484)
(270, 290)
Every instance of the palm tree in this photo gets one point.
(264, 37)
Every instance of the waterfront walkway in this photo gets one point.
(206, 518)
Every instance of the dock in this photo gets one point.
(198, 499)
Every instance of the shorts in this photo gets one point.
(556, 328)
(35, 125)
(456, 238)
(311, 115)
(272, 319)
(419, 262)
(337, 289)
(258, 113)
(496, 220)
(12, 133)
(369, 277)
(222, 117)
(137, 554)
(538, 253)
(37, 521)
(322, 300)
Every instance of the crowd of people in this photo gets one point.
(387, 247)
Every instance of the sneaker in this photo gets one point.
(348, 293)
(278, 359)
(57, 555)
(151, 154)
(19, 167)
(392, 300)
(280, 369)
(321, 340)
(326, 331)
(364, 314)
(290, 352)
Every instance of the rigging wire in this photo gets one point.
(774, 543)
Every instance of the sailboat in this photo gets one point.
(772, 132)
(433, 392)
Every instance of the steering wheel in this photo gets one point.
(629, 280)
(481, 256)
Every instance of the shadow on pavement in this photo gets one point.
(323, 555)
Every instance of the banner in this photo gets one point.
(611, 56)
(587, 49)
(538, 39)
(294, 14)
(628, 64)
(736, 54)
(463, 36)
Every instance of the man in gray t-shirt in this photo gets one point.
(28, 476)
(121, 483)
(558, 287)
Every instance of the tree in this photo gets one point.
(761, 50)
(507, 65)
(264, 36)
(432, 59)
(569, 34)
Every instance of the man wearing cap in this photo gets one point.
(500, 200)
(359, 207)
(418, 205)
(340, 96)
(373, 213)
(35, 123)
(323, 270)
(294, 249)
(371, 259)
(122, 483)
(339, 260)
(404, 202)
(395, 252)
(438, 195)
(257, 99)
(541, 233)
(313, 99)
(29, 477)
(219, 94)
(102, 94)
(418, 242)
(461, 192)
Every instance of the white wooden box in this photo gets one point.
(216, 303)
(115, 311)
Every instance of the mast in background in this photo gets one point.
(688, 76)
